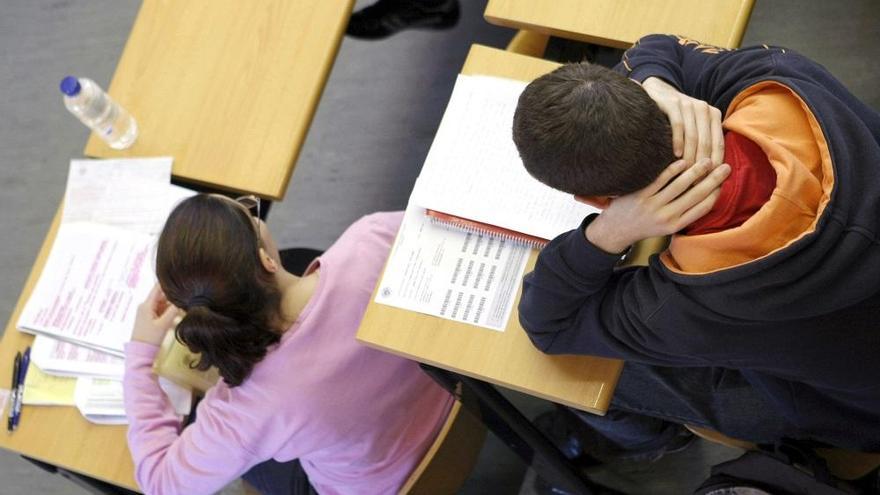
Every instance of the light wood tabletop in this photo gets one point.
(227, 88)
(60, 435)
(619, 23)
(504, 358)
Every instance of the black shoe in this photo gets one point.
(586, 447)
(386, 17)
(556, 425)
(681, 440)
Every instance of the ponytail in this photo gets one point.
(233, 347)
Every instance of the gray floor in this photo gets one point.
(370, 135)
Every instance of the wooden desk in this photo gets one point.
(228, 88)
(60, 435)
(503, 358)
(619, 23)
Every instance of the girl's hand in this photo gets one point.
(154, 317)
(696, 125)
(678, 197)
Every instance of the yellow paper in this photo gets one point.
(174, 362)
(41, 389)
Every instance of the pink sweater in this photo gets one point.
(360, 420)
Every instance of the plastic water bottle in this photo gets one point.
(94, 108)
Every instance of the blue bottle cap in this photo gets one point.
(70, 86)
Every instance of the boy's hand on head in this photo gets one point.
(678, 197)
(154, 317)
(696, 125)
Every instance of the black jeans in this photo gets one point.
(651, 401)
(279, 478)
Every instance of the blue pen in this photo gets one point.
(22, 373)
(13, 390)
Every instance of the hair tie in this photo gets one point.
(199, 301)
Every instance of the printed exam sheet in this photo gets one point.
(441, 271)
(92, 282)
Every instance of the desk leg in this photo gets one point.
(91, 484)
(517, 432)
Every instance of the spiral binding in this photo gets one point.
(483, 231)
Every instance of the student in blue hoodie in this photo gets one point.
(761, 319)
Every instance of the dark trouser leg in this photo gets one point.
(279, 478)
(650, 402)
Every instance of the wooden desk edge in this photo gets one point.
(740, 24)
(313, 104)
(563, 33)
(599, 407)
(13, 340)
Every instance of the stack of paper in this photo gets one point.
(473, 169)
(101, 401)
(134, 194)
(61, 358)
(43, 389)
(92, 282)
(473, 172)
(100, 268)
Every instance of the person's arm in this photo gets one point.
(657, 62)
(203, 458)
(575, 302)
(698, 70)
(693, 83)
(207, 455)
(673, 59)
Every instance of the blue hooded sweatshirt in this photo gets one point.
(801, 323)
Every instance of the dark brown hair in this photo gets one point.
(587, 130)
(208, 264)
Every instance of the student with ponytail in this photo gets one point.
(297, 389)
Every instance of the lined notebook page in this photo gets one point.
(473, 169)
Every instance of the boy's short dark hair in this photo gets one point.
(587, 130)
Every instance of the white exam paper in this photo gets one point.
(442, 271)
(93, 280)
(474, 171)
(102, 401)
(60, 358)
(130, 193)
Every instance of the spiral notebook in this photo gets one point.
(473, 178)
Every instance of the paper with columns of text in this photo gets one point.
(441, 271)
